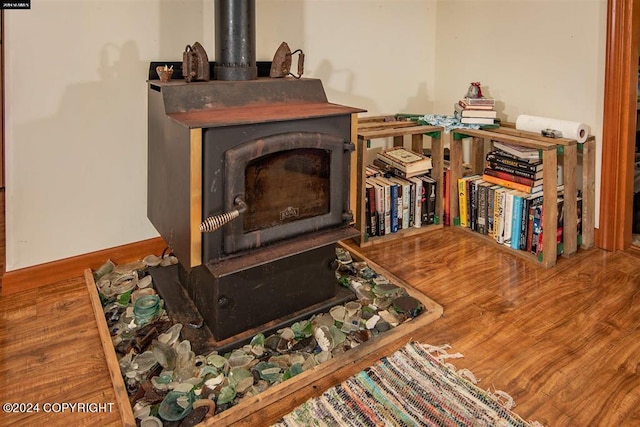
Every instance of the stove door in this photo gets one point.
(293, 183)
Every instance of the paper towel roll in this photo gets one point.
(573, 130)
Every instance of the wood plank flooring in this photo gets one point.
(564, 342)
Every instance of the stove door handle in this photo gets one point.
(214, 222)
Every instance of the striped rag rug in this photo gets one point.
(412, 387)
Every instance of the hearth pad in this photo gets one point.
(274, 402)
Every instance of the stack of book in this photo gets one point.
(514, 167)
(402, 162)
(479, 111)
(399, 193)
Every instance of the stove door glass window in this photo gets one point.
(286, 186)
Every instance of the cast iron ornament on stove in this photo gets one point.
(195, 63)
(281, 64)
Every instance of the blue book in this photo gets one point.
(394, 207)
(516, 221)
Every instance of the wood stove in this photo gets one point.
(274, 152)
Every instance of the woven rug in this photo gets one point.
(412, 387)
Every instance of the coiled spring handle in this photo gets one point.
(214, 222)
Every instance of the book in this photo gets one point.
(524, 219)
(500, 152)
(491, 210)
(494, 156)
(429, 207)
(405, 201)
(386, 168)
(393, 203)
(508, 217)
(383, 200)
(379, 207)
(516, 220)
(512, 177)
(474, 120)
(530, 226)
(462, 201)
(405, 160)
(501, 200)
(466, 106)
(419, 196)
(514, 171)
(537, 228)
(478, 101)
(446, 196)
(472, 207)
(371, 226)
(467, 112)
(559, 229)
(517, 150)
(412, 203)
(512, 185)
(482, 210)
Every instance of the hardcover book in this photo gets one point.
(495, 165)
(405, 200)
(512, 185)
(392, 207)
(429, 208)
(517, 150)
(467, 112)
(405, 160)
(383, 206)
(516, 220)
(479, 101)
(483, 203)
(372, 218)
(493, 156)
(474, 120)
(502, 197)
(508, 217)
(466, 106)
(512, 177)
(419, 196)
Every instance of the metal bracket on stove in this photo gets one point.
(214, 222)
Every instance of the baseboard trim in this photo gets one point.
(56, 271)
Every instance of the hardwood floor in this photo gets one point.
(564, 342)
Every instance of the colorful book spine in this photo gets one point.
(512, 177)
(462, 201)
(512, 185)
(508, 161)
(516, 220)
(513, 171)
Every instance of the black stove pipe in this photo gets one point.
(235, 31)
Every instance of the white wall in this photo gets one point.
(376, 55)
(76, 92)
(76, 121)
(539, 57)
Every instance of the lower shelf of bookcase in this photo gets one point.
(520, 254)
(400, 234)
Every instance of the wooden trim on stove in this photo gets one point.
(353, 184)
(56, 271)
(195, 198)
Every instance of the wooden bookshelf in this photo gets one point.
(553, 150)
(396, 127)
